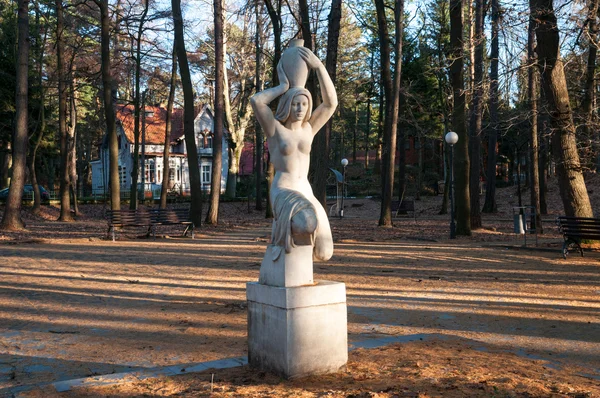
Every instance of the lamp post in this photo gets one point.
(344, 164)
(451, 139)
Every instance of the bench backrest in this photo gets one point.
(405, 205)
(579, 227)
(170, 216)
(128, 217)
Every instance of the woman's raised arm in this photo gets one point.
(323, 113)
(260, 102)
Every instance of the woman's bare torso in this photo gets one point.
(290, 154)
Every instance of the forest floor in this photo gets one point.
(428, 316)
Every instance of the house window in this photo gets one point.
(407, 144)
(172, 166)
(209, 141)
(149, 170)
(206, 173)
(122, 176)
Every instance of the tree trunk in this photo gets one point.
(237, 128)
(188, 116)
(235, 143)
(212, 217)
(321, 144)
(532, 94)
(379, 143)
(65, 199)
(276, 23)
(587, 105)
(367, 145)
(392, 95)
(133, 191)
(6, 164)
(258, 167)
(168, 125)
(354, 133)
(573, 190)
(543, 168)
(41, 45)
(476, 116)
(12, 211)
(109, 110)
(72, 143)
(461, 159)
(490, 205)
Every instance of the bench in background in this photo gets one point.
(403, 207)
(577, 229)
(149, 219)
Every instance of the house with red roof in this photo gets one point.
(152, 143)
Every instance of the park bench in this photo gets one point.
(180, 216)
(148, 219)
(403, 207)
(577, 229)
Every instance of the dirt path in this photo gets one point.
(73, 308)
(469, 317)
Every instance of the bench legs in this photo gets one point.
(189, 228)
(108, 233)
(567, 244)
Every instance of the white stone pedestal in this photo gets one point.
(297, 331)
(290, 269)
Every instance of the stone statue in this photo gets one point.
(297, 326)
(299, 218)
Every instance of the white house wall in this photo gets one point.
(203, 122)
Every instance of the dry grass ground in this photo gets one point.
(477, 316)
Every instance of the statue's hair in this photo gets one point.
(285, 103)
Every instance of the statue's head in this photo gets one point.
(293, 95)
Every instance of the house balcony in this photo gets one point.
(205, 151)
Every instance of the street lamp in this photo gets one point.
(451, 139)
(344, 164)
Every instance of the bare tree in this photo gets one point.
(461, 161)
(274, 10)
(41, 123)
(109, 110)
(65, 199)
(212, 217)
(476, 115)
(532, 94)
(168, 125)
(490, 205)
(259, 137)
(321, 144)
(137, 106)
(573, 190)
(188, 116)
(12, 212)
(588, 104)
(237, 113)
(72, 138)
(392, 95)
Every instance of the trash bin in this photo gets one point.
(518, 228)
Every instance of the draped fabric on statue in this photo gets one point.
(286, 205)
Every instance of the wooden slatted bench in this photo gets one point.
(577, 229)
(126, 219)
(148, 219)
(403, 207)
(172, 217)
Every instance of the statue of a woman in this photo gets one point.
(299, 218)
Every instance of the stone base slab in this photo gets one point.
(297, 331)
